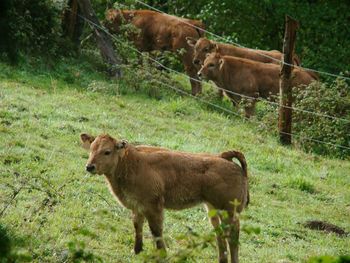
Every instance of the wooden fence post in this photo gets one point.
(285, 110)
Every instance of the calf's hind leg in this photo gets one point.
(233, 236)
(155, 221)
(220, 239)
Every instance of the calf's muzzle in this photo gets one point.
(196, 61)
(90, 168)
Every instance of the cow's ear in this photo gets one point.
(86, 140)
(216, 47)
(121, 144)
(221, 63)
(191, 41)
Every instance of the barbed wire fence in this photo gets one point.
(225, 90)
(183, 92)
(239, 94)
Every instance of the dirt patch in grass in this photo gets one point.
(326, 227)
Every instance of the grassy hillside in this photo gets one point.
(53, 211)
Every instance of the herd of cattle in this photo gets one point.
(148, 179)
(236, 70)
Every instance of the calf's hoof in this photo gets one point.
(138, 248)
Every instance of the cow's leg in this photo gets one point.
(249, 108)
(192, 71)
(220, 240)
(233, 236)
(138, 220)
(220, 93)
(236, 99)
(155, 221)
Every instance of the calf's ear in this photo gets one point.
(86, 140)
(221, 63)
(121, 144)
(216, 47)
(191, 41)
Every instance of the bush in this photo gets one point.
(332, 100)
(325, 99)
(29, 26)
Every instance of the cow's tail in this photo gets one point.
(313, 74)
(199, 26)
(240, 157)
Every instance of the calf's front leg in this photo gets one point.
(138, 220)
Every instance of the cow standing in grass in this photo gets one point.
(248, 78)
(162, 32)
(148, 180)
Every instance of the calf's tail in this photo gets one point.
(239, 156)
(296, 60)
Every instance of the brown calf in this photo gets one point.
(247, 77)
(159, 31)
(204, 46)
(147, 180)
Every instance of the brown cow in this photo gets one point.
(247, 77)
(204, 46)
(149, 179)
(159, 31)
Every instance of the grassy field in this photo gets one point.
(52, 211)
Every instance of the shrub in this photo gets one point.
(29, 26)
(325, 99)
(320, 131)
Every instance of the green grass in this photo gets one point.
(60, 211)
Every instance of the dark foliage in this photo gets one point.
(29, 27)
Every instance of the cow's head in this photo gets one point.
(201, 48)
(211, 67)
(105, 152)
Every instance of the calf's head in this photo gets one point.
(201, 48)
(105, 152)
(212, 65)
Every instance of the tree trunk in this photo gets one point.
(104, 41)
(72, 24)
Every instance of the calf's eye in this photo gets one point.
(107, 152)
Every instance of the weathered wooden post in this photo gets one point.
(285, 109)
